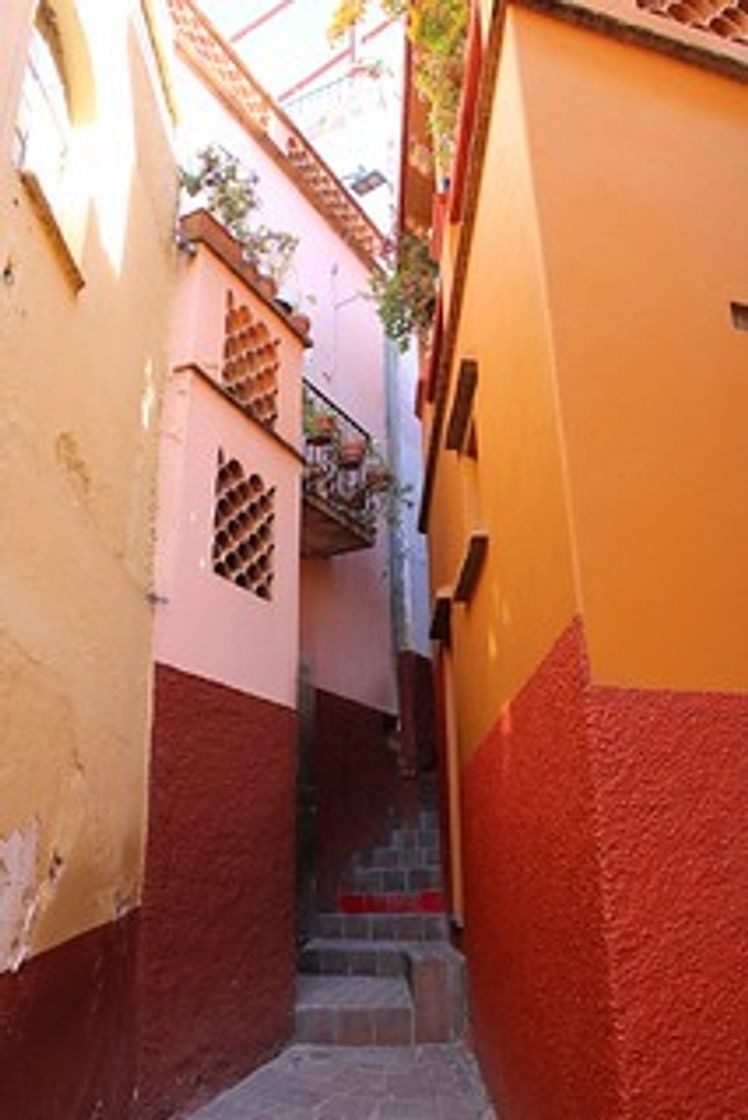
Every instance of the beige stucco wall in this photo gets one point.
(79, 381)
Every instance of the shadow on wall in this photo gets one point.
(356, 777)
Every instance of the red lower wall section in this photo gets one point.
(67, 1029)
(217, 938)
(671, 771)
(417, 716)
(605, 854)
(537, 962)
(356, 781)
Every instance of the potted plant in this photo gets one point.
(230, 194)
(320, 427)
(351, 451)
(405, 292)
(378, 478)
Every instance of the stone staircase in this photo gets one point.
(381, 970)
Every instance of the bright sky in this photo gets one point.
(284, 48)
(354, 124)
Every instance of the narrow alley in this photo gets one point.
(432, 1082)
(373, 552)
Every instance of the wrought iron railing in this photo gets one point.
(342, 467)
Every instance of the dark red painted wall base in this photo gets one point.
(605, 871)
(357, 784)
(671, 773)
(67, 1029)
(534, 931)
(217, 935)
(417, 719)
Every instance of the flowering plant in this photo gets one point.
(405, 293)
(437, 30)
(230, 193)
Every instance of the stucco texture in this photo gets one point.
(606, 899)
(217, 947)
(356, 782)
(67, 1029)
(671, 779)
(79, 387)
(534, 939)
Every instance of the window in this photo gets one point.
(44, 125)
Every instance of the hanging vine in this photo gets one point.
(437, 31)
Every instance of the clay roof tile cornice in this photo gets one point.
(225, 73)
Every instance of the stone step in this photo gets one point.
(327, 956)
(423, 1002)
(382, 927)
(426, 839)
(373, 880)
(393, 859)
(354, 1011)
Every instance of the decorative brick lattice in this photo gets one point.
(243, 528)
(726, 18)
(332, 195)
(251, 363)
(199, 41)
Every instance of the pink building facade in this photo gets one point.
(217, 938)
(274, 690)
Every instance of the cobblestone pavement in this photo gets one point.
(436, 1082)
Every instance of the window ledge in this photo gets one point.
(47, 217)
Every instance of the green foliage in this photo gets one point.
(405, 294)
(437, 30)
(231, 196)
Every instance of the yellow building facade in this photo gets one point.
(87, 196)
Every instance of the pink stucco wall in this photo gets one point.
(205, 624)
(345, 602)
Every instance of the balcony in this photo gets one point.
(342, 481)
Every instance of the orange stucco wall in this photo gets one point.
(641, 173)
(516, 488)
(601, 849)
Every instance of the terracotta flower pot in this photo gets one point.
(320, 429)
(351, 452)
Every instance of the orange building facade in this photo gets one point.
(586, 470)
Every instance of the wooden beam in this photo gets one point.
(462, 405)
(441, 626)
(472, 564)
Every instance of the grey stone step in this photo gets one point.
(414, 838)
(327, 956)
(424, 1002)
(392, 859)
(406, 880)
(354, 1011)
(382, 927)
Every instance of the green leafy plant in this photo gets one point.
(319, 426)
(386, 494)
(231, 195)
(437, 30)
(405, 292)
